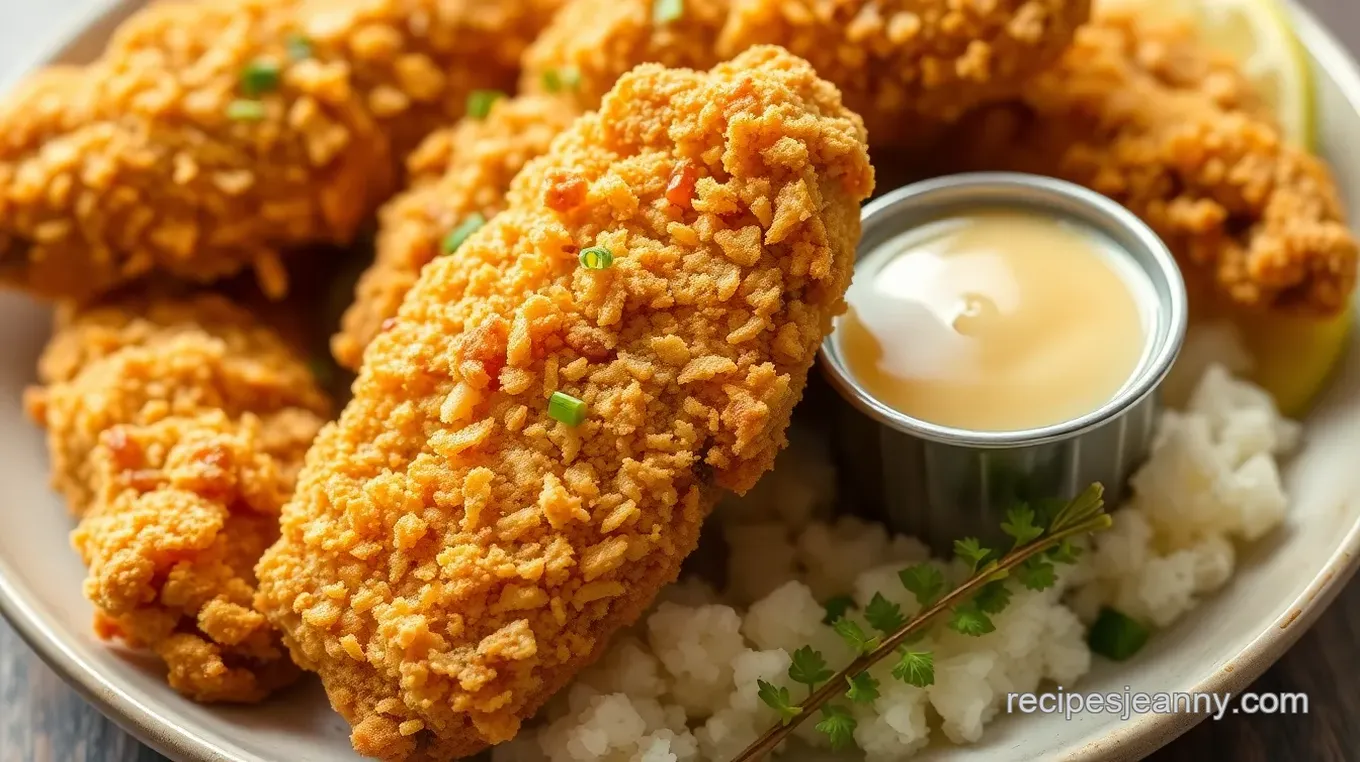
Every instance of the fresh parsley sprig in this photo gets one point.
(970, 607)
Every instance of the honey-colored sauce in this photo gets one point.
(995, 320)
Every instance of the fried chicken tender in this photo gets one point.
(1148, 116)
(591, 43)
(455, 553)
(211, 136)
(176, 429)
(907, 66)
(459, 174)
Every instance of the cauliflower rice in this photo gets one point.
(681, 685)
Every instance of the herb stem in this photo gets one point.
(768, 741)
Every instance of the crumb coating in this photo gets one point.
(1146, 115)
(137, 164)
(454, 554)
(906, 66)
(176, 430)
(457, 172)
(595, 42)
(909, 65)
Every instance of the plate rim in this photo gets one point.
(1131, 740)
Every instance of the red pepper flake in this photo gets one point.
(126, 453)
(388, 324)
(564, 192)
(680, 190)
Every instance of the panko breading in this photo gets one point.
(180, 152)
(909, 65)
(456, 174)
(906, 66)
(591, 43)
(454, 554)
(176, 429)
(1147, 116)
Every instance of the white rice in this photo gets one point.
(681, 686)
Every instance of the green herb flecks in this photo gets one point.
(597, 258)
(863, 688)
(883, 615)
(854, 636)
(479, 102)
(560, 80)
(837, 607)
(470, 224)
(259, 77)
(567, 409)
(838, 726)
(915, 668)
(778, 699)
(244, 110)
(809, 668)
(1117, 636)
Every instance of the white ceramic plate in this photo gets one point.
(1281, 586)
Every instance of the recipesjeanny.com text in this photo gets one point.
(1128, 703)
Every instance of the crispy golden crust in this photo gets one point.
(457, 172)
(1149, 117)
(130, 354)
(909, 66)
(454, 555)
(906, 66)
(594, 42)
(133, 165)
(176, 430)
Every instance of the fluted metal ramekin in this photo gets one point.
(942, 483)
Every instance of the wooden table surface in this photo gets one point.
(42, 720)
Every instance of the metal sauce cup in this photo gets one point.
(942, 483)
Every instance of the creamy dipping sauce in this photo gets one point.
(995, 320)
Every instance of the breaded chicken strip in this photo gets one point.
(459, 545)
(1147, 116)
(591, 43)
(459, 176)
(211, 135)
(909, 66)
(176, 430)
(906, 66)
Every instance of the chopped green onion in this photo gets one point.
(566, 408)
(1117, 636)
(479, 102)
(458, 235)
(597, 258)
(259, 77)
(243, 110)
(666, 11)
(298, 46)
(557, 80)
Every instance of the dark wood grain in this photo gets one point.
(43, 720)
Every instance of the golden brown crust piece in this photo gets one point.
(1147, 116)
(458, 172)
(591, 43)
(906, 66)
(176, 429)
(136, 164)
(454, 554)
(909, 66)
